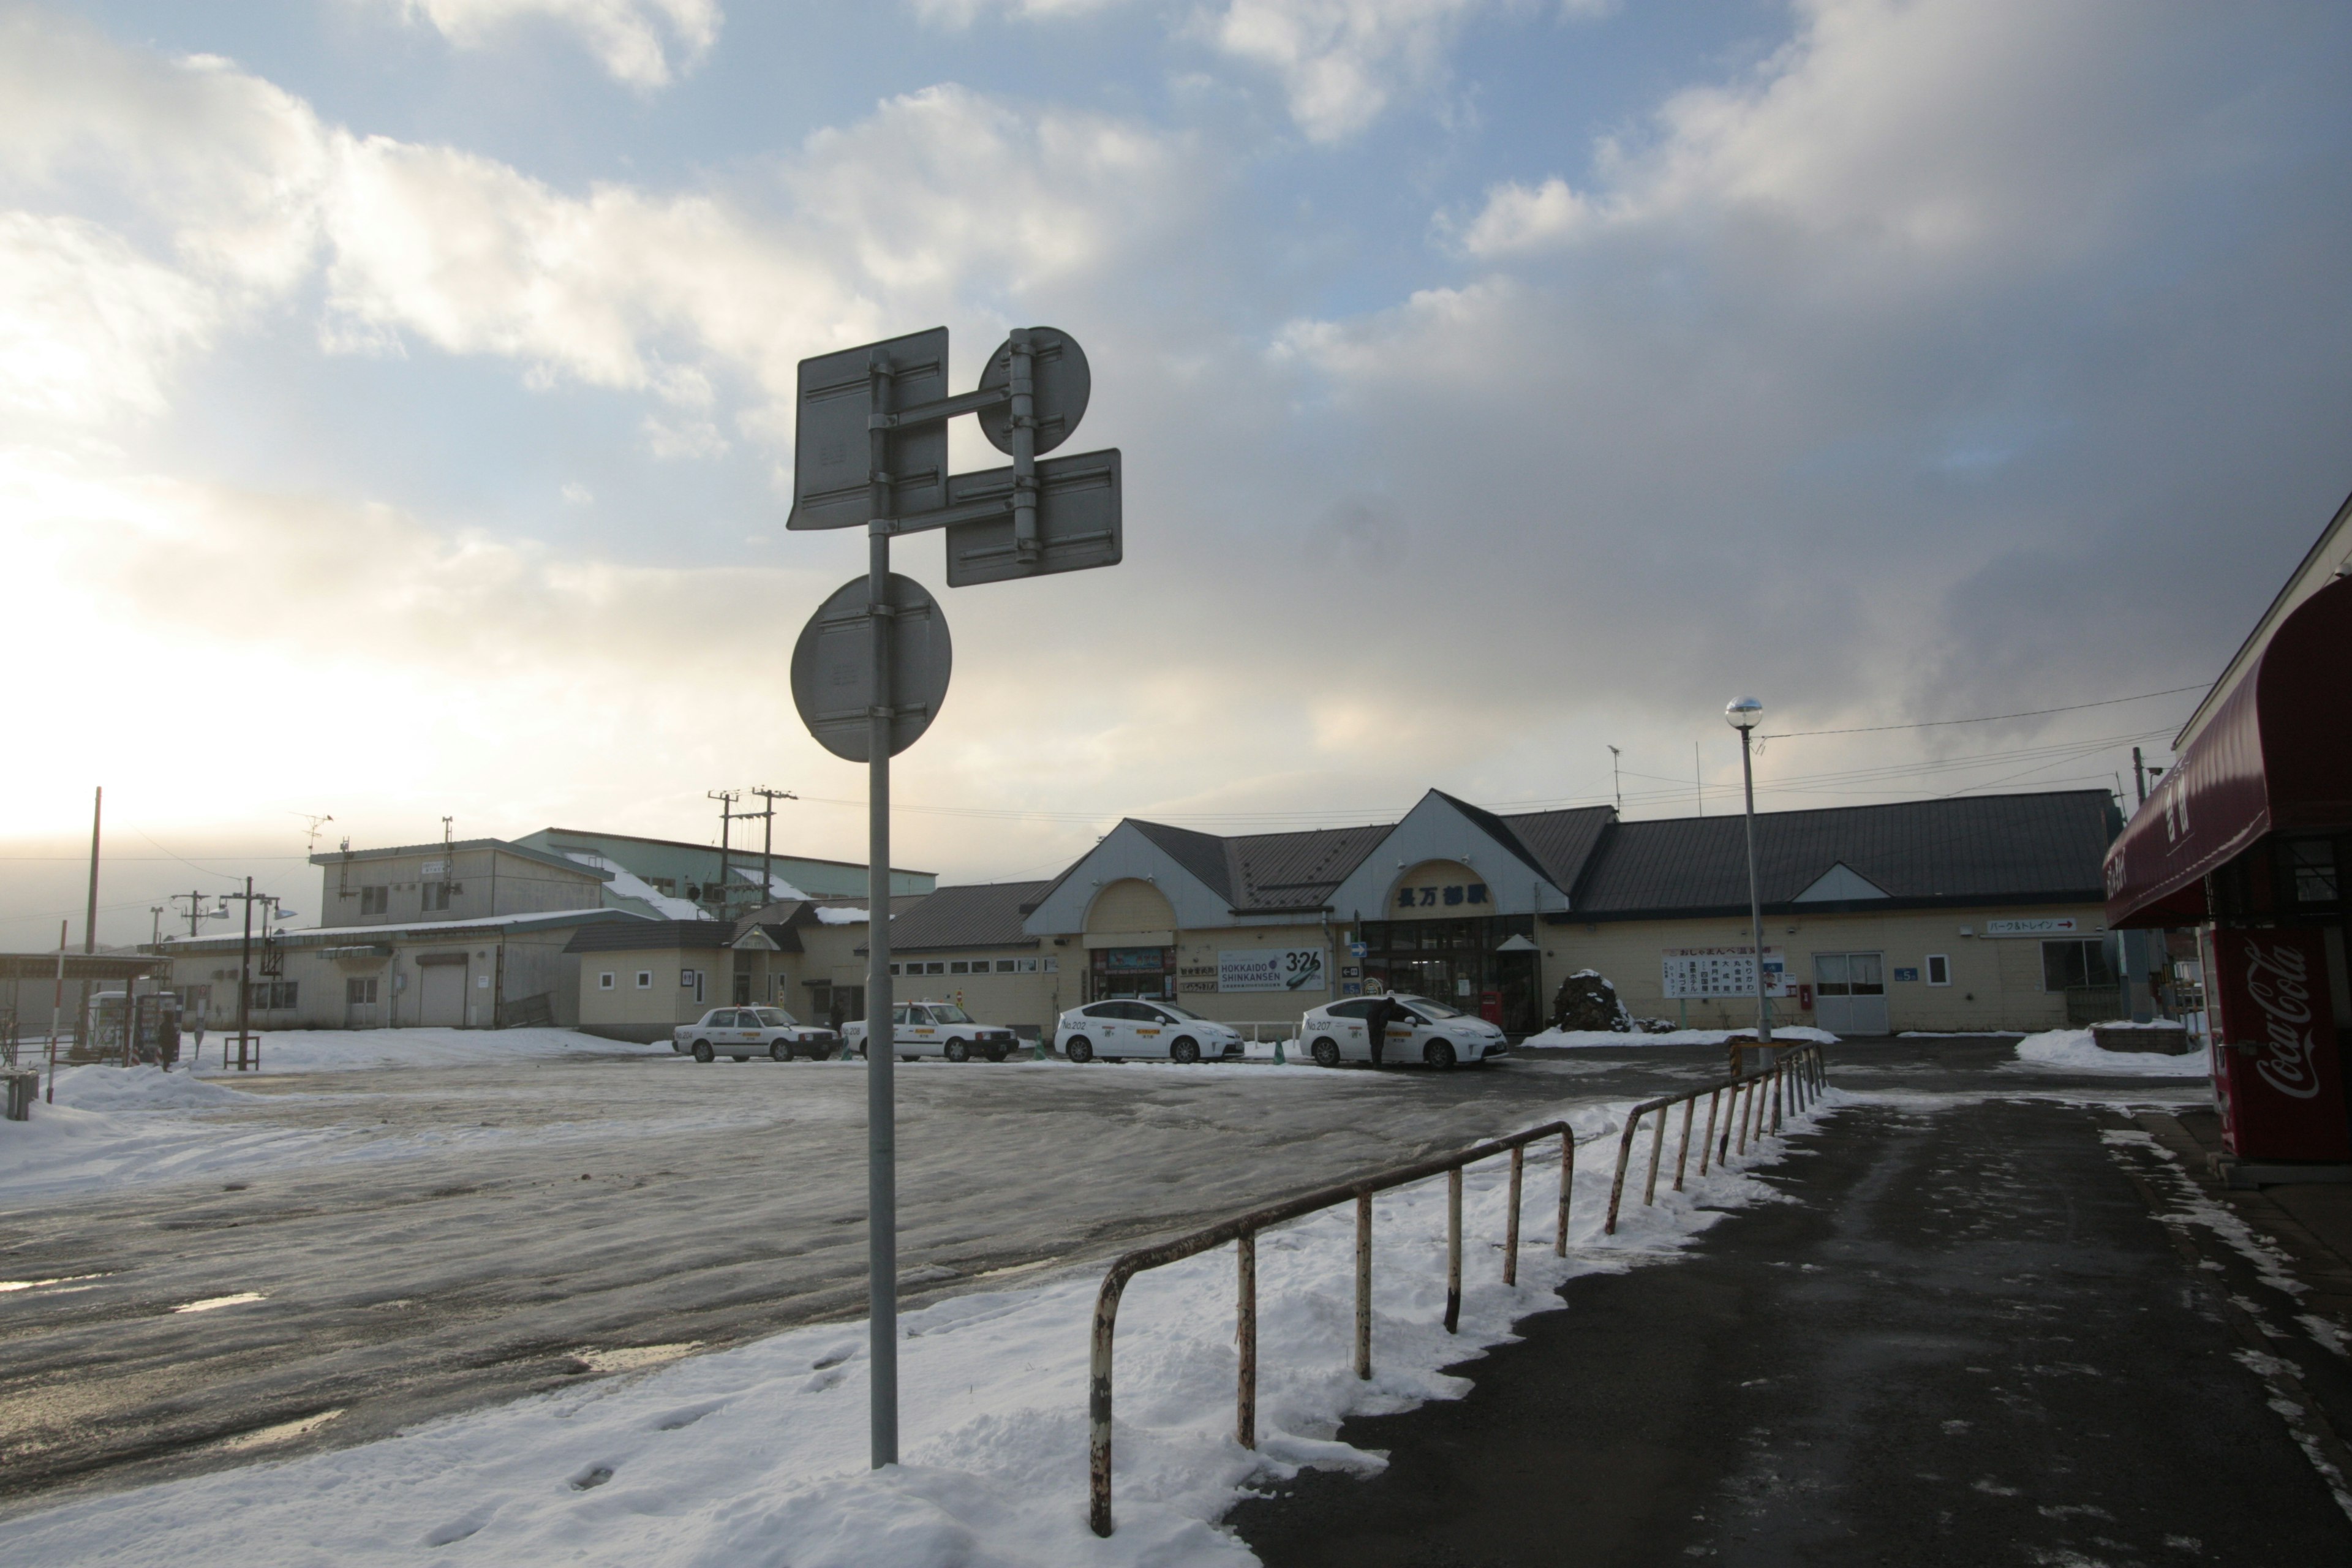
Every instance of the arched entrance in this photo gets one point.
(1441, 939)
(1131, 937)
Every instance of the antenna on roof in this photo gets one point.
(1616, 780)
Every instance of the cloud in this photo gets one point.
(89, 328)
(643, 43)
(1342, 62)
(1518, 218)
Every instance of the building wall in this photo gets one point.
(629, 1012)
(487, 882)
(531, 963)
(1997, 981)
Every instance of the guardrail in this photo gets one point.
(1242, 1231)
(1794, 1081)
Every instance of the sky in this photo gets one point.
(395, 406)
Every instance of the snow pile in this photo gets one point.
(841, 917)
(1577, 1039)
(100, 1088)
(629, 885)
(112, 1126)
(336, 1051)
(757, 1454)
(2074, 1050)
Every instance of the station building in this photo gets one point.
(1972, 914)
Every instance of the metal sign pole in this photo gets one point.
(881, 1053)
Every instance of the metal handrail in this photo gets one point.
(1243, 1230)
(1796, 1081)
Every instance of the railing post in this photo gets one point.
(1743, 1105)
(1617, 1186)
(1682, 1155)
(1511, 1225)
(1567, 1183)
(1780, 1078)
(1657, 1147)
(1246, 1340)
(1454, 1250)
(1707, 1150)
(1098, 1403)
(1364, 1285)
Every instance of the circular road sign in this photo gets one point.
(832, 667)
(1061, 382)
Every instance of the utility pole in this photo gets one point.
(196, 909)
(768, 840)
(56, 1010)
(245, 977)
(2140, 775)
(89, 918)
(156, 939)
(1616, 780)
(1698, 779)
(726, 799)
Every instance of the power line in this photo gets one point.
(1986, 718)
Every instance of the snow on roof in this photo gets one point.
(309, 935)
(629, 885)
(840, 917)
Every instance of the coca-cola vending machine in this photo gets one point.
(2272, 1044)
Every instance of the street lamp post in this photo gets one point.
(1743, 714)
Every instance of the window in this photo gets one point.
(1939, 969)
(644, 979)
(2067, 964)
(894, 968)
(375, 900)
(2312, 863)
(360, 992)
(437, 895)
(1028, 967)
(934, 969)
(604, 980)
(1004, 966)
(1350, 1009)
(1053, 965)
(959, 967)
(274, 995)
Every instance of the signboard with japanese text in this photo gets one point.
(2047, 925)
(1441, 898)
(1691, 972)
(1272, 969)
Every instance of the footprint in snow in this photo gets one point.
(458, 1528)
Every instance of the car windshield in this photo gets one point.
(772, 1018)
(1429, 1009)
(947, 1013)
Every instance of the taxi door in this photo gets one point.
(917, 1035)
(1146, 1030)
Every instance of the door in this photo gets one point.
(1850, 992)
(441, 996)
(743, 989)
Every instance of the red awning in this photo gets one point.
(2277, 754)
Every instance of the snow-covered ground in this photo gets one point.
(338, 1051)
(756, 1455)
(2074, 1050)
(1573, 1039)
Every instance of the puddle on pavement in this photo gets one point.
(629, 1358)
(284, 1432)
(211, 1303)
(8, 1286)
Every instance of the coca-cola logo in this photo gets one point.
(2278, 979)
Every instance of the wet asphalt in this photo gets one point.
(468, 1235)
(1970, 1339)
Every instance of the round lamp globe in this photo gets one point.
(1743, 712)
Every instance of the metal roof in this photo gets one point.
(644, 935)
(561, 862)
(2014, 848)
(983, 914)
(1559, 843)
(397, 930)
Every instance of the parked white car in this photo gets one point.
(747, 1032)
(937, 1029)
(1431, 1034)
(1159, 1030)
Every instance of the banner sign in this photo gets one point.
(2048, 925)
(2274, 1046)
(1722, 971)
(1271, 969)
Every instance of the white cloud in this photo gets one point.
(1342, 62)
(1518, 218)
(643, 43)
(88, 326)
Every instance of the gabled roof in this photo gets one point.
(1561, 843)
(2014, 848)
(1276, 871)
(562, 863)
(983, 914)
(1201, 854)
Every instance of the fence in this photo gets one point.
(1793, 1082)
(1242, 1231)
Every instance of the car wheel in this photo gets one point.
(780, 1052)
(1079, 1050)
(1438, 1054)
(702, 1050)
(957, 1051)
(742, 1059)
(1327, 1052)
(996, 1053)
(1184, 1051)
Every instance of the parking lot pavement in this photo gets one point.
(399, 1244)
(1967, 1341)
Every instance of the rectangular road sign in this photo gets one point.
(830, 451)
(1077, 521)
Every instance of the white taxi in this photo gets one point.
(937, 1029)
(747, 1032)
(1430, 1032)
(1137, 1027)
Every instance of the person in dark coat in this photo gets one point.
(167, 1040)
(1385, 1010)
